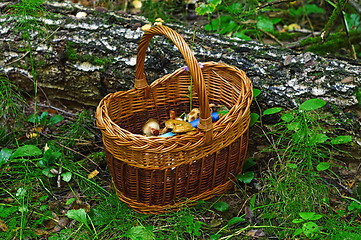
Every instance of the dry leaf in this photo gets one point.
(93, 174)
(40, 232)
(215, 223)
(347, 80)
(249, 214)
(256, 233)
(3, 226)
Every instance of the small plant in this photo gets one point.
(309, 228)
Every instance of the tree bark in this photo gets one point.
(80, 60)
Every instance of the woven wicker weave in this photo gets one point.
(156, 174)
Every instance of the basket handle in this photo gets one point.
(205, 120)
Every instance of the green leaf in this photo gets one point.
(341, 140)
(298, 231)
(293, 126)
(55, 119)
(246, 177)
(230, 27)
(27, 151)
(205, 9)
(140, 233)
(69, 201)
(66, 176)
(310, 215)
(21, 193)
(43, 198)
(310, 229)
(272, 111)
(248, 163)
(242, 35)
(215, 237)
(221, 206)
(32, 117)
(298, 220)
(47, 172)
(78, 215)
(323, 166)
(318, 138)
(5, 155)
(312, 104)
(312, 8)
(256, 92)
(265, 24)
(253, 119)
(235, 220)
(291, 165)
(287, 117)
(44, 118)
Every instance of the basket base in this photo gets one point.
(157, 209)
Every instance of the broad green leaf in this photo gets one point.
(27, 151)
(214, 2)
(287, 117)
(234, 8)
(293, 126)
(235, 220)
(248, 163)
(246, 177)
(66, 176)
(69, 201)
(354, 205)
(230, 27)
(78, 215)
(323, 166)
(50, 157)
(5, 155)
(21, 193)
(298, 231)
(318, 138)
(23, 209)
(341, 140)
(44, 207)
(47, 172)
(310, 215)
(310, 229)
(265, 24)
(242, 35)
(44, 118)
(55, 119)
(312, 104)
(32, 117)
(252, 202)
(221, 206)
(272, 111)
(215, 237)
(313, 8)
(253, 119)
(140, 233)
(43, 198)
(298, 220)
(256, 92)
(292, 165)
(205, 9)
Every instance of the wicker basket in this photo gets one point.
(157, 174)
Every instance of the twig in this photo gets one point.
(272, 3)
(61, 145)
(59, 175)
(271, 36)
(57, 109)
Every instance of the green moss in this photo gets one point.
(71, 52)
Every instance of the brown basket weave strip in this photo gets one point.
(155, 174)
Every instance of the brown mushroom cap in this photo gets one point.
(194, 114)
(179, 126)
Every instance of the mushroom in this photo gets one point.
(173, 116)
(194, 114)
(179, 126)
(151, 128)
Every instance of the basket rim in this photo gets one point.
(196, 139)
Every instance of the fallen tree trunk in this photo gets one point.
(80, 60)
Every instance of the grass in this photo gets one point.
(54, 183)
